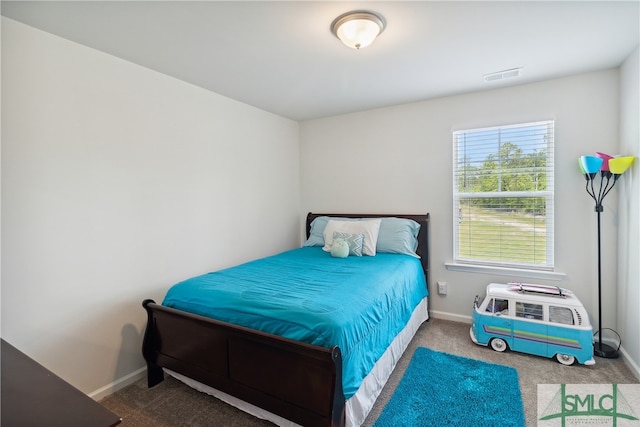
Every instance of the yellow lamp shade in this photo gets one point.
(619, 165)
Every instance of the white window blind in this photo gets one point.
(503, 195)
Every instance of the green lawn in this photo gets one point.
(509, 237)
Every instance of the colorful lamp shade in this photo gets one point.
(590, 164)
(605, 158)
(581, 166)
(619, 165)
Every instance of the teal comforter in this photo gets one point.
(357, 303)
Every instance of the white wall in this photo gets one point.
(399, 159)
(629, 212)
(118, 181)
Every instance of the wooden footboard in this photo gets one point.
(298, 381)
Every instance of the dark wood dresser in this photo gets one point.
(32, 395)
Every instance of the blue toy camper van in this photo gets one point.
(543, 320)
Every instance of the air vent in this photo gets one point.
(578, 316)
(501, 75)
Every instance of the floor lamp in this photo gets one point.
(610, 168)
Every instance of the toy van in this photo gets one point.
(543, 320)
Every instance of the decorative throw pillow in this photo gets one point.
(355, 241)
(369, 228)
(316, 234)
(339, 248)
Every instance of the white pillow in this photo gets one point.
(370, 229)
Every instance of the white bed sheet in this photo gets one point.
(360, 404)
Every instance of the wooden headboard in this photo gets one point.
(423, 236)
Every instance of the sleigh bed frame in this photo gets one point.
(297, 381)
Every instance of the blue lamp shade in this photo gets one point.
(590, 164)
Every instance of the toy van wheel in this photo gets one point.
(565, 359)
(499, 345)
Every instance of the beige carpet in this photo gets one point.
(173, 404)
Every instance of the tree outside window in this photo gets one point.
(503, 195)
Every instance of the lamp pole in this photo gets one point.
(601, 349)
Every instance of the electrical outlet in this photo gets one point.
(442, 288)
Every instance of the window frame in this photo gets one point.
(547, 194)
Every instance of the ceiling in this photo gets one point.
(282, 57)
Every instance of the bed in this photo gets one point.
(298, 371)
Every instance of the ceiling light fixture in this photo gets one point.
(358, 29)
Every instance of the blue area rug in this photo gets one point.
(440, 389)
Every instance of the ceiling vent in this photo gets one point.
(501, 75)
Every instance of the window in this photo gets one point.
(498, 305)
(560, 315)
(528, 310)
(503, 195)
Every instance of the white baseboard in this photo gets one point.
(118, 384)
(633, 366)
(449, 316)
